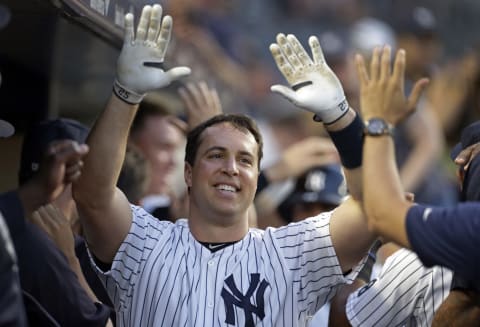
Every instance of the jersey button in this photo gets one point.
(210, 304)
(211, 263)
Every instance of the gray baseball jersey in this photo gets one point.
(161, 276)
(405, 294)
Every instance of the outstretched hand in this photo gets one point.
(313, 85)
(382, 90)
(140, 65)
(314, 152)
(201, 103)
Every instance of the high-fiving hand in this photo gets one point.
(140, 65)
(314, 86)
(382, 90)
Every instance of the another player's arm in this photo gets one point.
(460, 308)
(104, 210)
(382, 96)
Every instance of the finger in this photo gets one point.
(73, 167)
(399, 67)
(37, 220)
(410, 197)
(46, 217)
(361, 70)
(129, 37)
(196, 98)
(374, 64)
(287, 51)
(464, 156)
(60, 217)
(165, 35)
(201, 94)
(143, 23)
(385, 64)
(299, 50)
(317, 52)
(216, 102)
(475, 152)
(178, 72)
(68, 151)
(211, 98)
(292, 56)
(187, 99)
(417, 90)
(282, 63)
(73, 172)
(154, 26)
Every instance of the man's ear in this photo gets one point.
(187, 173)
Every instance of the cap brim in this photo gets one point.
(6, 129)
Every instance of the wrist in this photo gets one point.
(348, 139)
(127, 95)
(333, 115)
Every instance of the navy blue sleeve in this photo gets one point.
(45, 273)
(447, 237)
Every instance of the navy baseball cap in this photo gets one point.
(418, 21)
(40, 135)
(470, 135)
(471, 182)
(323, 185)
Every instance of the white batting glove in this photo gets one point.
(314, 86)
(139, 67)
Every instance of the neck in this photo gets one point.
(223, 229)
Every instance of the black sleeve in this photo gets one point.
(46, 275)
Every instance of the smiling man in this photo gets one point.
(211, 269)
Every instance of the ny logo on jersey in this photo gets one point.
(235, 297)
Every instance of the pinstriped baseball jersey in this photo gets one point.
(161, 276)
(405, 294)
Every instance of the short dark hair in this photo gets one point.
(145, 110)
(239, 121)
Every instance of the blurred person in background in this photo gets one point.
(39, 219)
(419, 140)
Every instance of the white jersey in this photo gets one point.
(162, 276)
(405, 294)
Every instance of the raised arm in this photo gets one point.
(315, 88)
(104, 210)
(382, 98)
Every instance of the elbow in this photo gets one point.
(373, 219)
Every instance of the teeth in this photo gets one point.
(224, 187)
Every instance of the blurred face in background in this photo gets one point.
(422, 52)
(160, 140)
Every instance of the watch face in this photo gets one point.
(377, 126)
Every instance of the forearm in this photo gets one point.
(384, 200)
(338, 316)
(107, 141)
(460, 308)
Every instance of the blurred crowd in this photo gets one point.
(225, 43)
